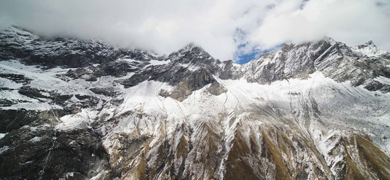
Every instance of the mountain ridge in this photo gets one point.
(84, 110)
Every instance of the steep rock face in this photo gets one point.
(31, 49)
(76, 109)
(190, 69)
(360, 65)
(189, 61)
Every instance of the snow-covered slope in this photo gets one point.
(317, 110)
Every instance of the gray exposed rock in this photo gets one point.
(6, 103)
(117, 101)
(32, 92)
(184, 63)
(374, 86)
(89, 73)
(117, 69)
(198, 80)
(334, 59)
(18, 78)
(14, 119)
(229, 71)
(108, 91)
(163, 93)
(216, 88)
(87, 101)
(47, 154)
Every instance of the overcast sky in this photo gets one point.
(227, 29)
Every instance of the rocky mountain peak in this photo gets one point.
(190, 53)
(193, 48)
(370, 42)
(16, 33)
(329, 40)
(369, 45)
(368, 49)
(189, 69)
(300, 60)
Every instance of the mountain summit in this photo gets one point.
(82, 109)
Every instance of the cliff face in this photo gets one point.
(78, 109)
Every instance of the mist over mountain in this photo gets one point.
(225, 29)
(83, 109)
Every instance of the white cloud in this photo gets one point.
(219, 26)
(350, 21)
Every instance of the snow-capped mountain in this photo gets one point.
(77, 109)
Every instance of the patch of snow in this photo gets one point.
(76, 121)
(69, 174)
(100, 175)
(2, 135)
(9, 84)
(3, 149)
(383, 80)
(157, 62)
(35, 139)
(35, 128)
(34, 105)
(126, 60)
(41, 79)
